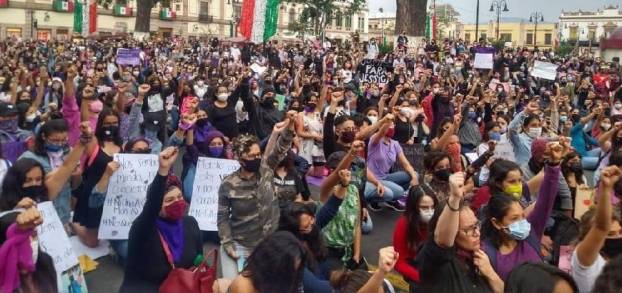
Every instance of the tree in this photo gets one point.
(320, 12)
(143, 11)
(410, 17)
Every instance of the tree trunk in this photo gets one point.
(143, 15)
(410, 17)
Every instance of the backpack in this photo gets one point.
(491, 250)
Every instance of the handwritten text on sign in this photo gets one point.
(373, 71)
(53, 238)
(126, 195)
(209, 175)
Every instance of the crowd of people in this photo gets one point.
(484, 165)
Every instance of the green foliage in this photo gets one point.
(498, 44)
(386, 48)
(317, 13)
(564, 49)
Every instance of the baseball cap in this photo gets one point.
(7, 109)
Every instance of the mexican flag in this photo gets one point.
(85, 17)
(259, 19)
(167, 14)
(63, 6)
(122, 10)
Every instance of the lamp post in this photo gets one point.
(476, 22)
(496, 5)
(536, 17)
(381, 10)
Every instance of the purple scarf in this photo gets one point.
(15, 254)
(173, 234)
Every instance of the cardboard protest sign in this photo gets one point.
(544, 70)
(53, 239)
(373, 71)
(128, 56)
(483, 61)
(583, 201)
(127, 193)
(207, 179)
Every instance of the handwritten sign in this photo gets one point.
(483, 61)
(127, 193)
(128, 56)
(53, 239)
(583, 201)
(504, 150)
(544, 70)
(373, 71)
(209, 175)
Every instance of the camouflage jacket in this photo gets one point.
(248, 209)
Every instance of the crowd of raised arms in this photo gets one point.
(488, 167)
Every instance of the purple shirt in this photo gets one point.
(382, 156)
(523, 252)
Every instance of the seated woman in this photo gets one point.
(289, 185)
(510, 236)
(161, 227)
(411, 231)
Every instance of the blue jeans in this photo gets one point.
(395, 185)
(590, 160)
(120, 248)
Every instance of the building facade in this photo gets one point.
(517, 31)
(380, 25)
(587, 26)
(47, 19)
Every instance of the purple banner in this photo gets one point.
(128, 56)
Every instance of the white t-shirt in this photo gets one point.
(4, 167)
(585, 276)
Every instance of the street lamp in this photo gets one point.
(476, 23)
(382, 22)
(536, 17)
(497, 4)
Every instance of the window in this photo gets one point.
(467, 37)
(43, 35)
(483, 36)
(348, 22)
(338, 20)
(361, 23)
(177, 7)
(547, 38)
(14, 32)
(591, 34)
(529, 39)
(204, 8)
(574, 33)
(505, 37)
(292, 15)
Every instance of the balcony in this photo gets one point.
(206, 18)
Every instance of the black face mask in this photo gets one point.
(612, 247)
(251, 165)
(575, 118)
(201, 122)
(348, 136)
(110, 132)
(35, 192)
(535, 166)
(268, 102)
(442, 174)
(576, 167)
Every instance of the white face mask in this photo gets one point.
(617, 106)
(222, 97)
(373, 119)
(535, 131)
(605, 126)
(200, 83)
(31, 117)
(426, 215)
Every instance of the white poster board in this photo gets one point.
(53, 239)
(544, 70)
(483, 61)
(207, 179)
(127, 193)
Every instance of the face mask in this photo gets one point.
(127, 78)
(576, 118)
(576, 167)
(442, 174)
(268, 102)
(96, 106)
(605, 126)
(348, 136)
(201, 122)
(390, 132)
(373, 119)
(176, 210)
(110, 132)
(519, 230)
(136, 73)
(216, 151)
(34, 191)
(504, 129)
(496, 136)
(200, 83)
(56, 86)
(535, 131)
(9, 125)
(426, 215)
(612, 247)
(222, 97)
(53, 148)
(310, 107)
(251, 165)
(617, 106)
(515, 190)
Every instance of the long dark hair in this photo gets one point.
(50, 127)
(538, 277)
(272, 265)
(99, 131)
(566, 169)
(497, 207)
(432, 158)
(12, 190)
(290, 221)
(412, 215)
(499, 169)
